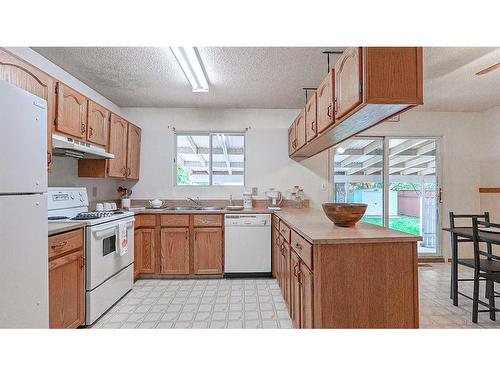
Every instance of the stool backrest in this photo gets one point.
(453, 216)
(477, 238)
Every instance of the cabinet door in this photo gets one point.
(286, 275)
(174, 255)
(275, 251)
(117, 167)
(311, 124)
(207, 251)
(98, 124)
(23, 75)
(71, 112)
(146, 252)
(295, 289)
(133, 152)
(348, 79)
(66, 291)
(292, 141)
(306, 297)
(324, 103)
(137, 250)
(300, 129)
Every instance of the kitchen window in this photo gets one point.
(209, 159)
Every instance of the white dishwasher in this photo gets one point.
(247, 245)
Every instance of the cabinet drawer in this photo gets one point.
(302, 248)
(285, 231)
(207, 220)
(174, 220)
(276, 222)
(145, 221)
(66, 242)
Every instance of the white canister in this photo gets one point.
(126, 203)
(247, 200)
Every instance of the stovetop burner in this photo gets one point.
(58, 217)
(95, 215)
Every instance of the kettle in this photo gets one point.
(275, 198)
(156, 203)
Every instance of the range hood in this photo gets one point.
(66, 146)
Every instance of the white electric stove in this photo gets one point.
(109, 275)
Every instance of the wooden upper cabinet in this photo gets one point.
(98, 124)
(324, 102)
(348, 81)
(292, 140)
(133, 152)
(174, 253)
(71, 112)
(23, 75)
(300, 129)
(118, 130)
(207, 251)
(311, 123)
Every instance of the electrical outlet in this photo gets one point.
(323, 186)
(255, 191)
(94, 191)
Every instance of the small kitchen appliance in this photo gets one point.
(109, 273)
(247, 199)
(274, 198)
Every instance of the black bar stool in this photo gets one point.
(487, 267)
(455, 260)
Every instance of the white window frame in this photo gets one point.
(385, 174)
(210, 134)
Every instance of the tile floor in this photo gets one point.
(236, 303)
(200, 303)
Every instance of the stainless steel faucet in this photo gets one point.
(231, 200)
(196, 201)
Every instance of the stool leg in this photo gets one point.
(475, 297)
(491, 296)
(454, 269)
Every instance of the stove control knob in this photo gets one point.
(81, 199)
(72, 196)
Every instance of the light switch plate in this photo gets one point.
(255, 191)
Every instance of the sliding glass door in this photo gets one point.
(399, 180)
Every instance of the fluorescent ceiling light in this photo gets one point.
(190, 64)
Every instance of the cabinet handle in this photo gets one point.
(91, 132)
(58, 245)
(124, 171)
(82, 128)
(295, 270)
(329, 111)
(298, 246)
(312, 124)
(128, 172)
(82, 263)
(299, 278)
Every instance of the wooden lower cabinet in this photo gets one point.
(295, 290)
(274, 251)
(306, 285)
(144, 242)
(66, 280)
(207, 251)
(174, 251)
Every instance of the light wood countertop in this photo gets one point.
(256, 210)
(314, 226)
(56, 228)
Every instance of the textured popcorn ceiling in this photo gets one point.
(265, 77)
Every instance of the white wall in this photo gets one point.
(490, 161)
(267, 162)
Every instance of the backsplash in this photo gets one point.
(65, 174)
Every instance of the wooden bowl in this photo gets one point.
(345, 214)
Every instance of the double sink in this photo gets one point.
(195, 208)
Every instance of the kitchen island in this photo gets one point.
(334, 277)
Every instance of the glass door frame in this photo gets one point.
(386, 185)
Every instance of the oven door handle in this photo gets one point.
(99, 234)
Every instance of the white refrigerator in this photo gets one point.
(23, 209)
